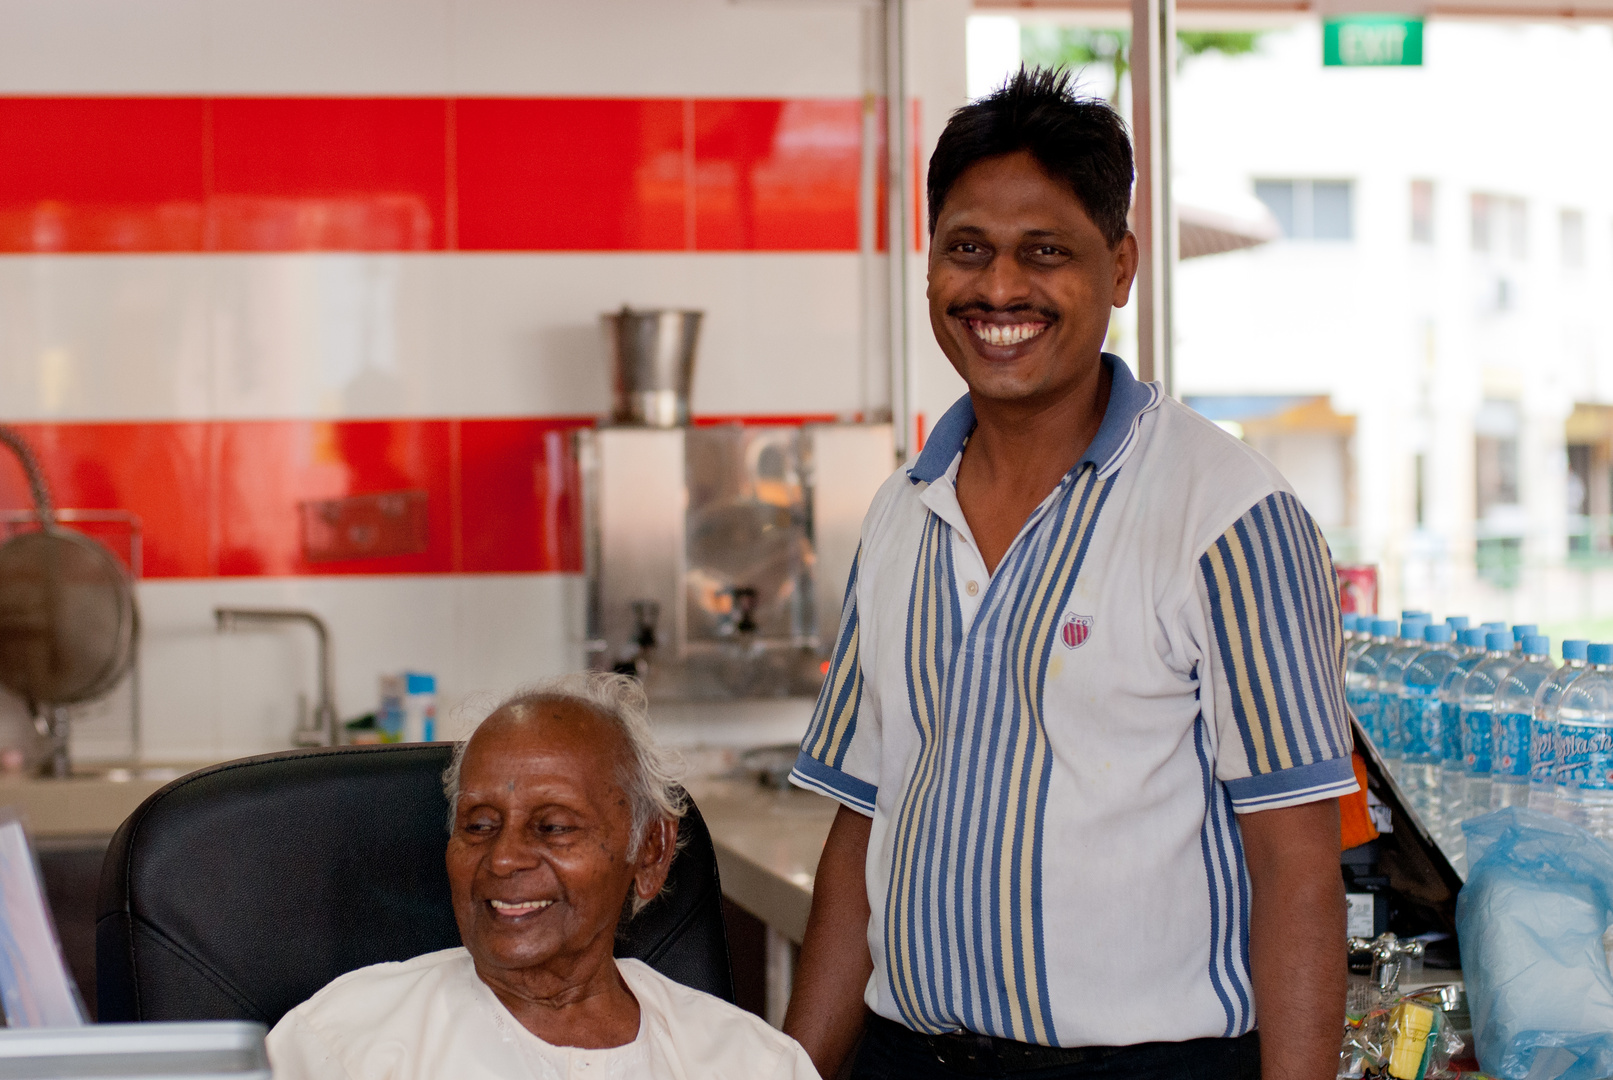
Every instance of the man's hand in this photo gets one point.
(826, 1006)
(1296, 938)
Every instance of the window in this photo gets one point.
(1310, 209)
(1571, 231)
(1495, 464)
(1422, 211)
(1500, 225)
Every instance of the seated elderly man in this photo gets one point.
(564, 815)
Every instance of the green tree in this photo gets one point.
(1081, 47)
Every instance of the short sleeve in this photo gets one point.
(1275, 660)
(296, 1052)
(840, 753)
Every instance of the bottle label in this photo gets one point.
(1584, 756)
(1476, 738)
(1511, 749)
(1364, 705)
(1542, 751)
(1420, 715)
(1450, 732)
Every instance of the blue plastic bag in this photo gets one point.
(1539, 896)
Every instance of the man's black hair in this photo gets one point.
(1078, 140)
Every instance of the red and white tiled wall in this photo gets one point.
(260, 253)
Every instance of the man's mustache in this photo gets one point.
(965, 308)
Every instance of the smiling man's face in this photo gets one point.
(537, 862)
(1021, 282)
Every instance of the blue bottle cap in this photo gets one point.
(1412, 629)
(1498, 641)
(1438, 634)
(1536, 645)
(416, 683)
(1383, 627)
(1574, 649)
(1487, 627)
(1523, 630)
(1408, 613)
(1473, 637)
(1599, 653)
(1457, 623)
(1348, 621)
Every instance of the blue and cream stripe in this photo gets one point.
(834, 718)
(1276, 628)
(963, 919)
(1225, 872)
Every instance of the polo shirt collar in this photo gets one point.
(1128, 401)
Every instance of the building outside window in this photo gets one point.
(1310, 209)
(1422, 211)
(1500, 226)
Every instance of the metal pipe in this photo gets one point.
(899, 220)
(1153, 40)
(323, 730)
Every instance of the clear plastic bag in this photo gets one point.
(1538, 898)
(1407, 1039)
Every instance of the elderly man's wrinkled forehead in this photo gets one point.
(555, 725)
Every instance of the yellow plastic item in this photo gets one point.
(1410, 1026)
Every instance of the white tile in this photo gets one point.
(780, 333)
(658, 48)
(362, 47)
(327, 335)
(104, 46)
(208, 695)
(104, 337)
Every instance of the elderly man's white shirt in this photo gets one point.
(432, 1018)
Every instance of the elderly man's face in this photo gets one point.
(538, 857)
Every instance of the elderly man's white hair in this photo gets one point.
(651, 774)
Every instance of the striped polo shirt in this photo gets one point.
(1054, 754)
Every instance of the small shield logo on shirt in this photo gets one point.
(1077, 628)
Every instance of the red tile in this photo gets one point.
(267, 469)
(522, 496)
(157, 471)
(777, 175)
(571, 175)
(101, 174)
(329, 174)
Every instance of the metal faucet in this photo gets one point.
(322, 732)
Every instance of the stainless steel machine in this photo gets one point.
(717, 555)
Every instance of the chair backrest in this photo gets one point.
(238, 891)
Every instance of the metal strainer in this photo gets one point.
(68, 620)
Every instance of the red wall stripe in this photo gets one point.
(415, 174)
(221, 499)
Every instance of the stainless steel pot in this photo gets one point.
(652, 367)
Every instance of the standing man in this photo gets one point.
(1084, 718)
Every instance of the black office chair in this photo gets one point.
(236, 892)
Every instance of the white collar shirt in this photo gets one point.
(1054, 754)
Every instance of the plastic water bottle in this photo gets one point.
(1361, 679)
(1585, 746)
(1394, 667)
(1452, 763)
(1478, 719)
(1543, 734)
(1521, 631)
(1349, 622)
(1363, 639)
(1420, 718)
(1513, 727)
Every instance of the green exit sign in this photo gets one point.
(1372, 41)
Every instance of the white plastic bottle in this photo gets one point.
(1420, 719)
(1543, 733)
(1361, 679)
(1478, 717)
(1452, 760)
(1406, 649)
(1585, 747)
(1514, 722)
